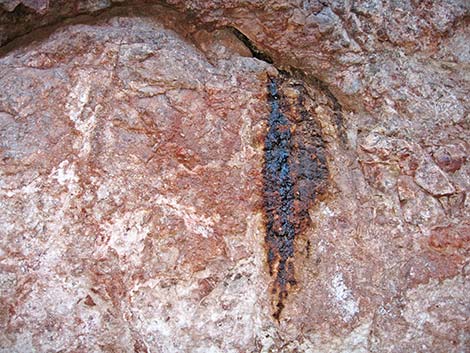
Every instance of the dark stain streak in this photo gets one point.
(279, 198)
(295, 168)
(295, 173)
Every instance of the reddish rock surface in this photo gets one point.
(131, 176)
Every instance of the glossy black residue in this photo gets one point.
(279, 198)
(295, 172)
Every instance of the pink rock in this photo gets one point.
(132, 143)
(432, 179)
(450, 158)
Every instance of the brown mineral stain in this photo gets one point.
(89, 301)
(448, 238)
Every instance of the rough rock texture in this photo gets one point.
(133, 176)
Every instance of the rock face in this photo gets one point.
(236, 176)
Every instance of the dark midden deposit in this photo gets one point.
(295, 172)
